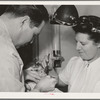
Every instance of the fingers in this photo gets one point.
(29, 78)
(46, 84)
(32, 76)
(51, 79)
(54, 81)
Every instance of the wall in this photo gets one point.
(67, 34)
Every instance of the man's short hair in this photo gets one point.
(37, 13)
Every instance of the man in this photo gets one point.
(18, 24)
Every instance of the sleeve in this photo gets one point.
(97, 88)
(10, 74)
(65, 74)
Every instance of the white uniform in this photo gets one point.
(81, 76)
(10, 64)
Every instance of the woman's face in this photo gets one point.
(87, 49)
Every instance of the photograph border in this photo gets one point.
(49, 96)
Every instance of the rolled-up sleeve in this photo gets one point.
(66, 73)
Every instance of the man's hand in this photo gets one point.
(31, 75)
(46, 84)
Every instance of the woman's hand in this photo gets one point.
(46, 84)
(49, 59)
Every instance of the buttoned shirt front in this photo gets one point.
(80, 76)
(10, 64)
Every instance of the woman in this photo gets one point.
(82, 74)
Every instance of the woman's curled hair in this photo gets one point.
(89, 25)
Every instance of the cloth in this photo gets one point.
(11, 76)
(80, 76)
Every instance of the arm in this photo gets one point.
(31, 75)
(31, 78)
(46, 84)
(53, 71)
(10, 74)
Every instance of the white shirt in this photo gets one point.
(81, 76)
(10, 64)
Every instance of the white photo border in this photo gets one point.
(38, 96)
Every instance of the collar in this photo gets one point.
(96, 61)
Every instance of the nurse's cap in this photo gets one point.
(65, 15)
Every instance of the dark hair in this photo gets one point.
(44, 12)
(36, 13)
(89, 25)
(2, 9)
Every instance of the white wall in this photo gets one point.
(67, 34)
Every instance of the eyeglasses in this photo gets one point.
(92, 21)
(54, 20)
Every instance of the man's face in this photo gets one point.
(86, 47)
(28, 33)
